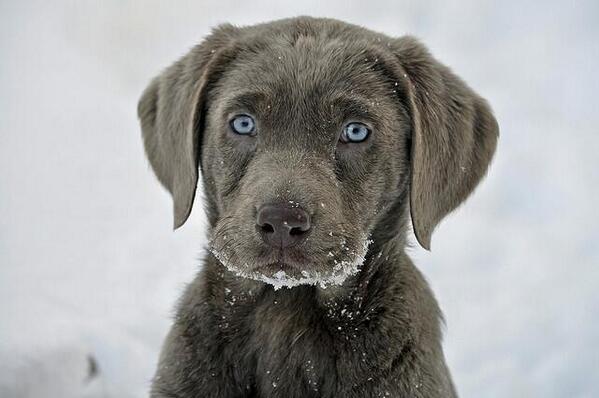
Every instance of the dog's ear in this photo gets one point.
(170, 111)
(454, 135)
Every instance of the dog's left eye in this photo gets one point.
(243, 125)
(354, 132)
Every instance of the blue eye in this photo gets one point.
(355, 132)
(243, 125)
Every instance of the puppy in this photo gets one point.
(318, 141)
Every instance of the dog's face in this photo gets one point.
(305, 146)
(309, 133)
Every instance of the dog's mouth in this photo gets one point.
(288, 259)
(290, 268)
(280, 269)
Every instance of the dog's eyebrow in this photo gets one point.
(355, 107)
(250, 101)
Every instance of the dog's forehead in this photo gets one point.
(309, 81)
(311, 65)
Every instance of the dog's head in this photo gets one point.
(312, 136)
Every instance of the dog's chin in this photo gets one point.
(291, 269)
(288, 276)
(278, 269)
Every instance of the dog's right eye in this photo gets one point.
(243, 125)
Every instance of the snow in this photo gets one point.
(89, 267)
(342, 269)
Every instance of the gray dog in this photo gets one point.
(318, 141)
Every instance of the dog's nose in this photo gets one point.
(281, 225)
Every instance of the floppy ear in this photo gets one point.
(170, 112)
(454, 135)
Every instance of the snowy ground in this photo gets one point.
(89, 265)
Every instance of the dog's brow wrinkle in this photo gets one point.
(354, 106)
(249, 100)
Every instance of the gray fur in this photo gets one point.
(376, 334)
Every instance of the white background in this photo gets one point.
(89, 264)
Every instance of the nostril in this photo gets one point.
(296, 231)
(267, 228)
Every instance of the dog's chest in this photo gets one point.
(297, 343)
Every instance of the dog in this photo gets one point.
(318, 142)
